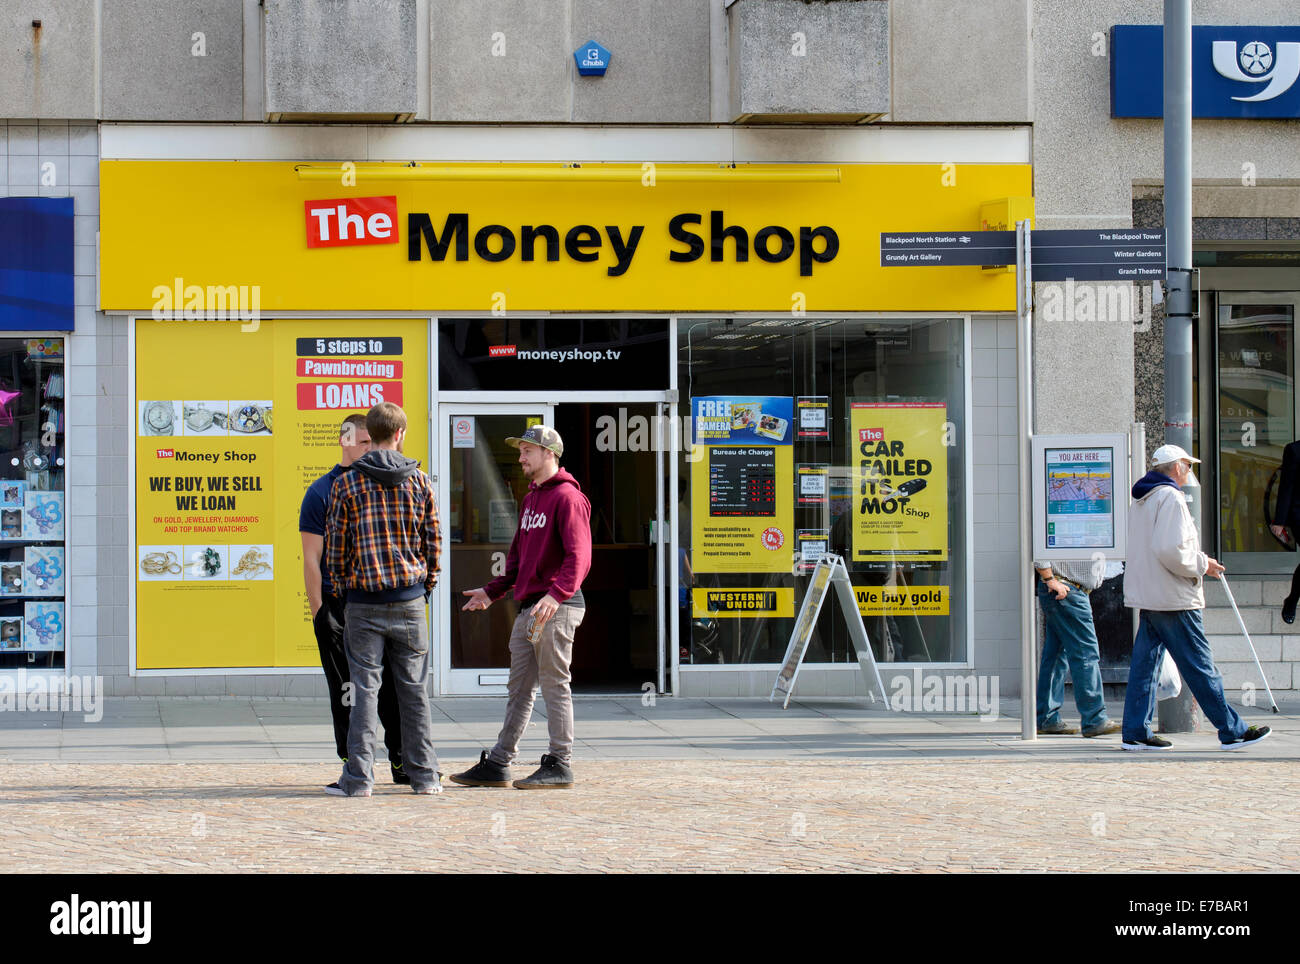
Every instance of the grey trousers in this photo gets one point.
(402, 629)
(547, 663)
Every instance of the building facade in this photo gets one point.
(676, 262)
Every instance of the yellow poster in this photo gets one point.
(777, 601)
(900, 476)
(232, 423)
(902, 600)
(742, 512)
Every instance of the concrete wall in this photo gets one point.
(341, 57)
(48, 72)
(182, 60)
(791, 58)
(961, 62)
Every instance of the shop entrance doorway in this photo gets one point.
(610, 448)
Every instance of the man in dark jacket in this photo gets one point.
(1288, 517)
(382, 546)
(327, 605)
(548, 559)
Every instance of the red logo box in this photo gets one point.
(349, 221)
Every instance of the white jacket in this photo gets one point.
(1165, 564)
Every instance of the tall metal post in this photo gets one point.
(1179, 715)
(1025, 378)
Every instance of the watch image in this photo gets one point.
(157, 418)
(247, 418)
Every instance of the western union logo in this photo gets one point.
(722, 603)
(902, 600)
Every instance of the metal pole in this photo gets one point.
(1025, 375)
(1136, 469)
(660, 440)
(1179, 715)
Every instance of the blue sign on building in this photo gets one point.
(36, 264)
(1236, 71)
(592, 59)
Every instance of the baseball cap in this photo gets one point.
(1170, 453)
(542, 435)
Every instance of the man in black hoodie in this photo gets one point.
(382, 546)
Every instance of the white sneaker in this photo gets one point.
(334, 790)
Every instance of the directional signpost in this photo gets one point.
(929, 249)
(1106, 254)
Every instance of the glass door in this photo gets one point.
(480, 489)
(1256, 360)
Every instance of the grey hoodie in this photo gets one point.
(386, 466)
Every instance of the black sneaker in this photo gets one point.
(1155, 743)
(551, 775)
(1252, 735)
(485, 773)
(399, 775)
(1288, 610)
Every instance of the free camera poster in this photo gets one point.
(220, 473)
(900, 475)
(742, 482)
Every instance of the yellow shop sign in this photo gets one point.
(675, 244)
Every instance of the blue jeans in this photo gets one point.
(400, 631)
(1180, 632)
(1069, 636)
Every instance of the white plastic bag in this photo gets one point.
(1170, 683)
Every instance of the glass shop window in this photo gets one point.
(33, 556)
(840, 436)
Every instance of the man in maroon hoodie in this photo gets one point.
(548, 559)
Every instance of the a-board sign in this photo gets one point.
(1080, 496)
(830, 571)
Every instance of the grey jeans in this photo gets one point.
(547, 663)
(402, 629)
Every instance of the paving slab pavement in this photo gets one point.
(180, 784)
(198, 729)
(662, 815)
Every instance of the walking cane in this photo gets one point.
(1242, 624)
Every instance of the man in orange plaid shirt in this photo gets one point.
(381, 550)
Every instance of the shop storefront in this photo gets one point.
(36, 321)
(740, 385)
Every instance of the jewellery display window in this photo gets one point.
(33, 554)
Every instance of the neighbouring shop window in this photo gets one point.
(33, 551)
(842, 436)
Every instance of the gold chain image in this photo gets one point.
(251, 563)
(160, 563)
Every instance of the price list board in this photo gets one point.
(742, 482)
